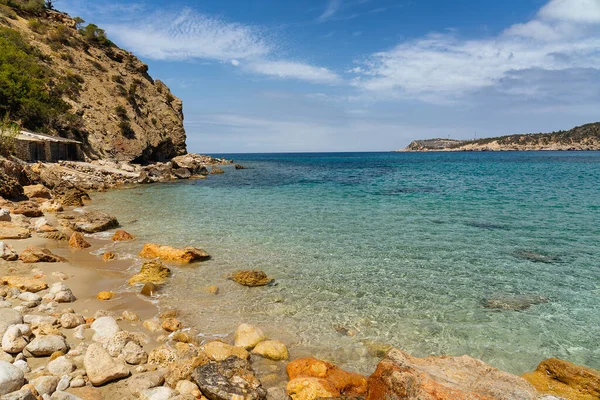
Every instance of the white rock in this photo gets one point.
(21, 309)
(9, 317)
(187, 387)
(5, 357)
(105, 328)
(60, 293)
(61, 276)
(248, 336)
(69, 321)
(79, 332)
(23, 394)
(39, 222)
(16, 338)
(59, 395)
(11, 378)
(61, 366)
(158, 393)
(5, 304)
(43, 346)
(22, 365)
(45, 384)
(138, 383)
(64, 382)
(134, 354)
(77, 382)
(28, 296)
(101, 367)
(49, 308)
(37, 320)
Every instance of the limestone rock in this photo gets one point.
(101, 367)
(16, 338)
(60, 293)
(149, 289)
(117, 343)
(251, 278)
(122, 236)
(564, 379)
(10, 230)
(153, 324)
(34, 254)
(219, 351)
(78, 242)
(194, 163)
(171, 325)
(11, 378)
(181, 173)
(23, 394)
(134, 354)
(214, 290)
(158, 393)
(248, 336)
(24, 283)
(272, 349)
(51, 207)
(71, 320)
(93, 221)
(151, 271)
(400, 375)
(37, 191)
(27, 208)
(130, 316)
(45, 385)
(172, 254)
(105, 328)
(339, 381)
(147, 380)
(216, 170)
(188, 387)
(61, 366)
(4, 215)
(43, 346)
(183, 367)
(7, 253)
(229, 379)
(60, 395)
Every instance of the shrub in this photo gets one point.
(8, 133)
(60, 35)
(121, 113)
(37, 26)
(122, 91)
(170, 98)
(126, 129)
(92, 34)
(67, 57)
(154, 121)
(98, 66)
(131, 93)
(7, 11)
(117, 79)
(78, 22)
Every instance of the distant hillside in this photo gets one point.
(61, 76)
(585, 137)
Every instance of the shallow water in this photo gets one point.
(400, 248)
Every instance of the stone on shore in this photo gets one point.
(186, 387)
(51, 207)
(4, 215)
(101, 367)
(34, 254)
(37, 191)
(23, 283)
(43, 346)
(78, 242)
(61, 366)
(219, 351)
(122, 236)
(27, 208)
(400, 375)
(105, 295)
(171, 325)
(92, 222)
(10, 230)
(251, 278)
(24, 394)
(151, 271)
(272, 349)
(45, 385)
(340, 381)
(104, 328)
(71, 320)
(134, 354)
(167, 253)
(109, 255)
(158, 393)
(60, 395)
(181, 173)
(147, 380)
(248, 336)
(11, 378)
(60, 293)
(16, 338)
(7, 253)
(232, 378)
(566, 380)
(149, 289)
(192, 162)
(312, 389)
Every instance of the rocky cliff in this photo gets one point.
(585, 137)
(106, 98)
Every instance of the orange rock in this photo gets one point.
(346, 383)
(564, 379)
(35, 254)
(47, 228)
(90, 320)
(168, 253)
(105, 295)
(171, 325)
(311, 389)
(77, 241)
(122, 236)
(109, 255)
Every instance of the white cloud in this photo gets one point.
(443, 67)
(333, 7)
(235, 63)
(294, 70)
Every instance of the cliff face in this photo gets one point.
(116, 109)
(585, 137)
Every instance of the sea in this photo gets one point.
(493, 254)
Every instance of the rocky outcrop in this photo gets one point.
(172, 254)
(23, 283)
(565, 380)
(401, 376)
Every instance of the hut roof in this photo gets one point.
(40, 137)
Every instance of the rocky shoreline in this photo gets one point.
(67, 332)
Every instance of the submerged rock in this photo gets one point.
(248, 336)
(229, 379)
(109, 255)
(219, 351)
(122, 236)
(93, 221)
(168, 253)
(151, 272)
(514, 303)
(251, 278)
(566, 380)
(272, 349)
(536, 257)
(216, 170)
(149, 289)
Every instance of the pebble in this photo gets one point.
(77, 382)
(79, 332)
(64, 383)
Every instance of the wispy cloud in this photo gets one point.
(294, 70)
(333, 6)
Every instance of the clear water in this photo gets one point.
(399, 248)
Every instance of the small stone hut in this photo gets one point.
(33, 147)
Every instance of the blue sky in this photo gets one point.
(362, 75)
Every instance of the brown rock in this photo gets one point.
(171, 325)
(35, 254)
(168, 253)
(37, 191)
(93, 221)
(105, 295)
(27, 208)
(251, 277)
(73, 197)
(122, 236)
(151, 271)
(216, 170)
(272, 349)
(402, 376)
(51, 207)
(24, 284)
(47, 229)
(109, 255)
(345, 383)
(149, 289)
(566, 380)
(77, 241)
(9, 230)
(214, 290)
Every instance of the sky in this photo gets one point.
(362, 75)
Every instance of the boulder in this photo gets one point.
(71, 197)
(7, 253)
(566, 380)
(134, 354)
(171, 325)
(338, 380)
(229, 379)
(9, 317)
(151, 271)
(16, 338)
(93, 221)
(219, 351)
(239, 166)
(61, 366)
(272, 349)
(71, 320)
(60, 293)
(27, 208)
(37, 191)
(9, 230)
(43, 346)
(101, 367)
(251, 278)
(172, 254)
(122, 236)
(10, 187)
(181, 173)
(194, 163)
(45, 385)
(147, 380)
(11, 378)
(24, 283)
(216, 170)
(248, 336)
(4, 215)
(78, 242)
(401, 376)
(34, 254)
(105, 328)
(51, 207)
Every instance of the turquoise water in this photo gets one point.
(399, 248)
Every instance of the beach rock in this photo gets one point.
(27, 208)
(172, 254)
(566, 380)
(117, 343)
(5, 356)
(51, 207)
(251, 278)
(79, 332)
(153, 324)
(338, 380)
(158, 393)
(171, 325)
(214, 290)
(23, 366)
(11, 378)
(105, 295)
(513, 303)
(93, 221)
(219, 351)
(188, 387)
(229, 379)
(45, 384)
(311, 389)
(64, 383)
(272, 349)
(181, 173)
(216, 170)
(248, 336)
(122, 236)
(37, 191)
(60, 395)
(192, 162)
(60, 293)
(28, 296)
(147, 380)
(34, 254)
(151, 271)
(400, 375)
(37, 320)
(162, 356)
(61, 366)
(101, 367)
(71, 320)
(23, 394)
(130, 316)
(109, 255)
(7, 253)
(105, 328)
(16, 338)
(10, 230)
(24, 283)
(78, 242)
(43, 346)
(4, 215)
(183, 367)
(134, 354)
(59, 236)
